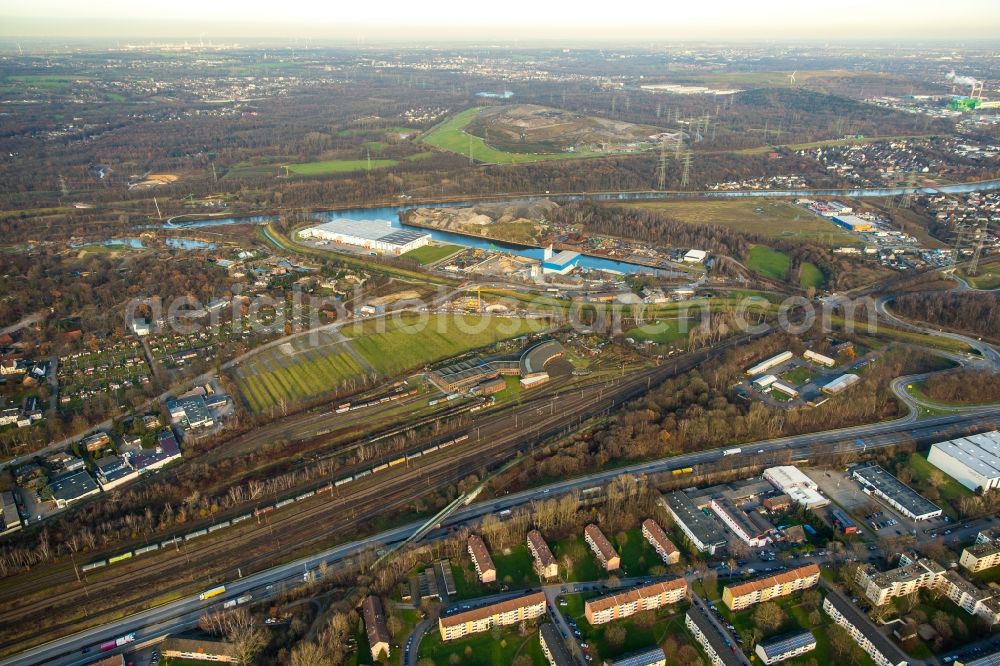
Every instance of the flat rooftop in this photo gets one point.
(702, 525)
(891, 487)
(371, 230)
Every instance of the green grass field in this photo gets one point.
(775, 219)
(767, 262)
(988, 277)
(429, 254)
(450, 135)
(811, 276)
(274, 377)
(584, 563)
(405, 343)
(665, 331)
(482, 649)
(338, 166)
(799, 376)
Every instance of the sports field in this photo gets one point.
(450, 135)
(297, 371)
(767, 262)
(774, 219)
(428, 254)
(303, 369)
(411, 341)
(337, 166)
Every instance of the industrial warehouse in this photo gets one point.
(876, 481)
(375, 235)
(477, 374)
(973, 461)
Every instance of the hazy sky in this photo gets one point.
(420, 20)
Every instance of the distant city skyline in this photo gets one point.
(450, 20)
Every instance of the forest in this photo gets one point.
(963, 386)
(976, 313)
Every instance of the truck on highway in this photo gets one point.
(214, 592)
(732, 452)
(118, 642)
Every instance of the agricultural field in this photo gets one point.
(775, 219)
(429, 254)
(405, 344)
(767, 262)
(450, 135)
(297, 370)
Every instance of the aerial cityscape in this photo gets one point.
(468, 335)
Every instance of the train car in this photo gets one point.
(346, 479)
(94, 565)
(219, 526)
(118, 642)
(443, 445)
(213, 592)
(325, 489)
(147, 549)
(231, 603)
(431, 449)
(284, 502)
(361, 475)
(411, 456)
(195, 535)
(431, 403)
(260, 511)
(119, 558)
(239, 519)
(461, 439)
(303, 496)
(170, 542)
(379, 468)
(398, 461)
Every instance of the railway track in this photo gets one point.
(495, 437)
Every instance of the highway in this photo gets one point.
(173, 617)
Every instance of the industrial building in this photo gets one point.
(379, 638)
(767, 364)
(973, 461)
(190, 412)
(561, 263)
(876, 481)
(711, 639)
(785, 388)
(502, 613)
(72, 487)
(799, 487)
(553, 647)
(544, 561)
(657, 538)
(875, 644)
(653, 656)
(376, 235)
(481, 559)
(463, 375)
(742, 595)
(739, 523)
(695, 256)
(602, 548)
(820, 359)
(854, 223)
(785, 647)
(841, 383)
(623, 604)
(764, 381)
(981, 556)
(703, 531)
(842, 521)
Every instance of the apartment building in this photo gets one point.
(787, 646)
(602, 548)
(544, 561)
(742, 595)
(875, 644)
(510, 611)
(658, 539)
(379, 637)
(880, 587)
(982, 556)
(553, 646)
(481, 559)
(709, 637)
(622, 604)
